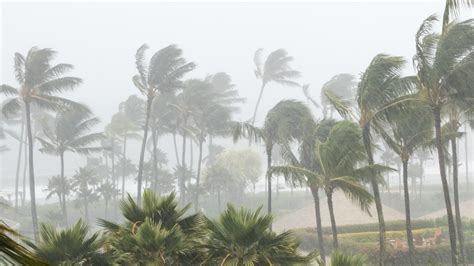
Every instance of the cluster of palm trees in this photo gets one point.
(406, 113)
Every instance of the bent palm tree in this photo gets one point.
(380, 88)
(275, 69)
(444, 65)
(69, 132)
(163, 73)
(331, 165)
(39, 85)
(241, 237)
(406, 132)
(283, 123)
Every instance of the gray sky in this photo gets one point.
(100, 39)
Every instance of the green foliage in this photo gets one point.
(341, 259)
(67, 247)
(15, 250)
(156, 228)
(242, 237)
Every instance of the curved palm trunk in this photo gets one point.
(86, 208)
(335, 243)
(377, 199)
(411, 246)
(124, 164)
(466, 157)
(142, 152)
(319, 227)
(219, 199)
(459, 227)
(18, 162)
(191, 157)
(182, 184)
(25, 166)
(34, 215)
(444, 181)
(258, 103)
(63, 194)
(155, 160)
(106, 208)
(198, 178)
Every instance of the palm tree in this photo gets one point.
(444, 70)
(127, 168)
(107, 191)
(39, 85)
(282, 124)
(61, 187)
(163, 73)
(379, 89)
(71, 246)
(342, 85)
(69, 132)
(330, 163)
(275, 69)
(85, 184)
(154, 232)
(407, 130)
(242, 237)
(15, 250)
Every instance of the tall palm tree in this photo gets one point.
(242, 237)
(380, 88)
(39, 84)
(61, 187)
(85, 184)
(71, 246)
(342, 85)
(154, 232)
(275, 69)
(163, 73)
(407, 130)
(69, 132)
(107, 191)
(330, 163)
(444, 69)
(283, 123)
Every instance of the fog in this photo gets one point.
(324, 38)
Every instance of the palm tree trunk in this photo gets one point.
(142, 152)
(333, 220)
(198, 178)
(63, 194)
(18, 162)
(319, 227)
(466, 157)
(399, 179)
(182, 184)
(34, 215)
(176, 149)
(191, 159)
(258, 103)
(411, 246)
(155, 159)
(269, 179)
(459, 227)
(377, 199)
(444, 181)
(124, 164)
(25, 165)
(86, 208)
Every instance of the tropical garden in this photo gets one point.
(207, 204)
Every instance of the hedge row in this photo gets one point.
(398, 225)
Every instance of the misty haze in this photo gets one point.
(237, 133)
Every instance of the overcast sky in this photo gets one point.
(100, 40)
